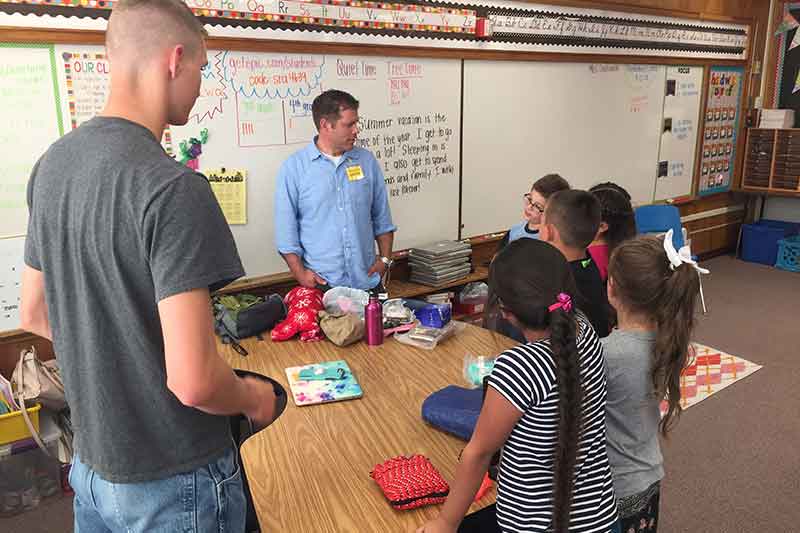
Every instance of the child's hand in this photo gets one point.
(437, 525)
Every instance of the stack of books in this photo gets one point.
(440, 262)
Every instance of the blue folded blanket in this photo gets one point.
(454, 410)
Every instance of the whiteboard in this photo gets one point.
(29, 124)
(587, 122)
(679, 132)
(256, 108)
(12, 254)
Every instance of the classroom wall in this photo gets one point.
(704, 241)
(783, 209)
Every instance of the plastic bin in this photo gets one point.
(13, 426)
(27, 475)
(789, 254)
(760, 240)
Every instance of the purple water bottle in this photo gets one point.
(373, 315)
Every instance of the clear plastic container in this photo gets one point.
(26, 473)
(477, 367)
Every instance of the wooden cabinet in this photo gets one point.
(772, 161)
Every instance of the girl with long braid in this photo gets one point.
(545, 406)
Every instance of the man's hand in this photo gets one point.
(262, 394)
(310, 279)
(378, 267)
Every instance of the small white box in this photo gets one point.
(776, 118)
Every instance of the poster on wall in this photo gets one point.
(721, 124)
(30, 122)
(87, 79)
(679, 132)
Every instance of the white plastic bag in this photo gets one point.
(343, 300)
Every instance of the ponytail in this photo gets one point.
(563, 343)
(675, 320)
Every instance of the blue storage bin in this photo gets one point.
(760, 240)
(792, 228)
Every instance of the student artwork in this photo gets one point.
(190, 150)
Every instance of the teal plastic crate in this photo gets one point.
(789, 254)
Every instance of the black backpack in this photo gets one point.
(237, 317)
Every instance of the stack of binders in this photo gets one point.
(440, 262)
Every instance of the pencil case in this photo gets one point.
(410, 482)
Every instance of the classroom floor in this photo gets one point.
(732, 462)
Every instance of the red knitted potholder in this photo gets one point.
(410, 482)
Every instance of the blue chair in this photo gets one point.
(660, 219)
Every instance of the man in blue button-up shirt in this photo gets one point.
(331, 204)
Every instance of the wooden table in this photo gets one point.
(309, 471)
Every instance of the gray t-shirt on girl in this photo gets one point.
(632, 412)
(116, 225)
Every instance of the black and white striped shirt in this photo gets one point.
(526, 377)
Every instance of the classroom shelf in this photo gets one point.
(772, 161)
(407, 289)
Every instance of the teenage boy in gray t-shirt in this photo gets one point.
(124, 246)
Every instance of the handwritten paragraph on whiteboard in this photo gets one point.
(413, 149)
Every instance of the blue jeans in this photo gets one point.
(208, 499)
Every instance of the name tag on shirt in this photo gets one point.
(355, 173)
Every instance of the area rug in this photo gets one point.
(711, 371)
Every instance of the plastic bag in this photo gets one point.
(475, 292)
(477, 367)
(343, 300)
(395, 309)
(429, 338)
